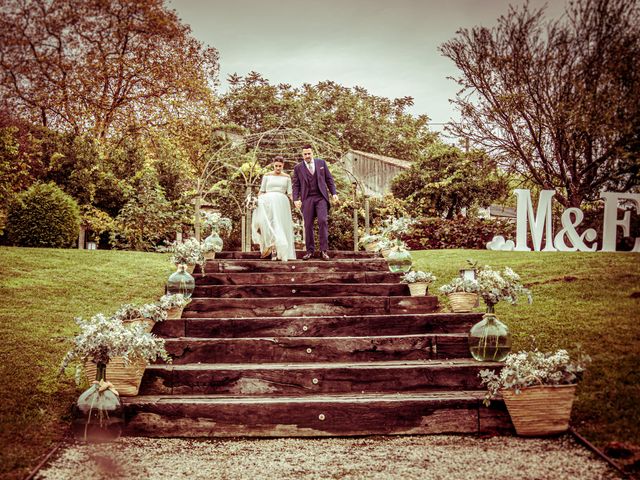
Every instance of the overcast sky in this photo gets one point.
(388, 47)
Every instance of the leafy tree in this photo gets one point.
(101, 66)
(43, 216)
(349, 118)
(557, 101)
(147, 218)
(447, 180)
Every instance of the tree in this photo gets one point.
(556, 101)
(348, 118)
(101, 66)
(447, 180)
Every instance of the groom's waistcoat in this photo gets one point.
(313, 182)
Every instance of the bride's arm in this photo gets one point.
(263, 186)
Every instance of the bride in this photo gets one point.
(272, 226)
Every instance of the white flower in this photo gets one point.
(176, 300)
(418, 276)
(459, 284)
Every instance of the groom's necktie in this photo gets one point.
(310, 166)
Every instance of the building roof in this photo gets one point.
(393, 161)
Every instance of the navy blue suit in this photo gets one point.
(314, 192)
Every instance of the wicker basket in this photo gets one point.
(462, 301)
(385, 252)
(418, 289)
(146, 322)
(175, 313)
(371, 247)
(210, 256)
(125, 378)
(540, 410)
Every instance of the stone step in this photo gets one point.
(229, 254)
(313, 415)
(301, 290)
(283, 278)
(313, 378)
(317, 349)
(339, 265)
(313, 326)
(307, 306)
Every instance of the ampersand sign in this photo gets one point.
(569, 230)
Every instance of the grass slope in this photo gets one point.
(579, 298)
(41, 291)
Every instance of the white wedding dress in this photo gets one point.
(272, 223)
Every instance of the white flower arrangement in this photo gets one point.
(459, 284)
(394, 227)
(495, 286)
(530, 368)
(176, 300)
(216, 222)
(418, 276)
(102, 338)
(367, 239)
(130, 311)
(188, 252)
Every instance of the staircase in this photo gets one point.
(312, 349)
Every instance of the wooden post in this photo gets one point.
(248, 229)
(196, 223)
(81, 236)
(243, 233)
(367, 229)
(355, 217)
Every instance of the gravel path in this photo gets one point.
(418, 457)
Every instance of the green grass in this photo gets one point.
(579, 298)
(589, 300)
(41, 291)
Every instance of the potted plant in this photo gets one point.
(418, 282)
(489, 339)
(145, 315)
(462, 293)
(173, 305)
(189, 253)
(538, 389)
(105, 343)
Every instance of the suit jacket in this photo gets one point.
(301, 180)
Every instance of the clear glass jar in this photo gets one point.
(98, 415)
(399, 260)
(182, 282)
(489, 339)
(213, 243)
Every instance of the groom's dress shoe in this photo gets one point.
(308, 256)
(325, 256)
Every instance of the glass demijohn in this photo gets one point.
(98, 415)
(213, 243)
(399, 260)
(182, 282)
(489, 339)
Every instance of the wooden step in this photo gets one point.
(317, 349)
(313, 415)
(312, 326)
(307, 306)
(302, 290)
(226, 255)
(339, 265)
(283, 278)
(313, 378)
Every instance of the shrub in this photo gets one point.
(435, 233)
(43, 216)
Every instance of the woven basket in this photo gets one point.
(385, 253)
(371, 247)
(210, 256)
(418, 289)
(175, 313)
(146, 322)
(462, 301)
(540, 410)
(125, 378)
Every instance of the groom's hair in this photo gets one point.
(307, 146)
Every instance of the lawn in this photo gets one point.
(591, 299)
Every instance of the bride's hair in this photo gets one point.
(278, 158)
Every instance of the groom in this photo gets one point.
(311, 180)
